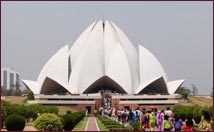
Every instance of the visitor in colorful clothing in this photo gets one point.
(191, 120)
(168, 112)
(152, 121)
(205, 123)
(133, 117)
(137, 118)
(143, 121)
(178, 123)
(167, 124)
(187, 126)
(147, 119)
(159, 120)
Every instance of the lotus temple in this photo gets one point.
(103, 59)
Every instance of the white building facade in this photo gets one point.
(103, 58)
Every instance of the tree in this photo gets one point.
(184, 92)
(17, 85)
(17, 92)
(194, 90)
(3, 91)
(30, 96)
(13, 91)
(9, 92)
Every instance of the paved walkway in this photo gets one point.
(92, 124)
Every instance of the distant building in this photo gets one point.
(9, 77)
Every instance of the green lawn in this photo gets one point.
(81, 125)
(101, 126)
(64, 109)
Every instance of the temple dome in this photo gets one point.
(103, 58)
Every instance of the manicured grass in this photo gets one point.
(101, 125)
(81, 125)
(64, 109)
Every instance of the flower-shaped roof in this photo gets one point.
(103, 58)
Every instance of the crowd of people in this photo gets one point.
(159, 120)
(106, 98)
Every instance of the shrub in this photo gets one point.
(15, 123)
(192, 111)
(197, 113)
(113, 125)
(4, 114)
(68, 112)
(51, 109)
(48, 122)
(129, 128)
(71, 120)
(68, 122)
(136, 126)
(30, 96)
(35, 109)
(62, 120)
(117, 129)
(29, 112)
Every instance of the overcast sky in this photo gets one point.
(179, 34)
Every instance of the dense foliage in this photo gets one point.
(29, 112)
(68, 112)
(136, 126)
(30, 95)
(15, 123)
(72, 119)
(11, 92)
(192, 111)
(68, 122)
(113, 125)
(48, 122)
(184, 92)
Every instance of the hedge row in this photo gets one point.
(72, 119)
(113, 125)
(191, 111)
(29, 112)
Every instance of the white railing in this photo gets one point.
(60, 102)
(149, 102)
